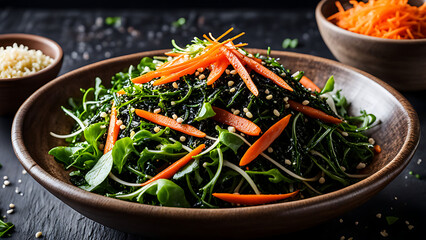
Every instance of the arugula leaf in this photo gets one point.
(100, 171)
(274, 174)
(205, 112)
(65, 154)
(121, 151)
(329, 86)
(168, 193)
(92, 133)
(190, 167)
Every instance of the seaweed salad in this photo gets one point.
(210, 125)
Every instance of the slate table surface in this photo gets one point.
(85, 39)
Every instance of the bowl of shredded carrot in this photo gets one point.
(386, 38)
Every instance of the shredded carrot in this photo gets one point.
(241, 70)
(113, 130)
(259, 68)
(121, 92)
(313, 113)
(253, 199)
(176, 166)
(241, 124)
(170, 122)
(218, 68)
(307, 83)
(265, 141)
(392, 19)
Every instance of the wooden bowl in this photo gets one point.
(14, 91)
(398, 136)
(401, 63)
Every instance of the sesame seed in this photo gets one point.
(269, 97)
(356, 223)
(267, 91)
(12, 205)
(341, 220)
(361, 165)
(6, 183)
(276, 113)
(19, 180)
(202, 76)
(175, 85)
(182, 138)
(270, 150)
(172, 103)
(179, 120)
(157, 129)
(204, 164)
(342, 238)
(38, 234)
(157, 110)
(227, 71)
(10, 211)
(249, 114)
(287, 161)
(24, 171)
(410, 227)
(305, 102)
(119, 122)
(200, 69)
(236, 112)
(384, 233)
(231, 129)
(5, 177)
(103, 126)
(230, 83)
(285, 99)
(132, 109)
(344, 134)
(103, 114)
(232, 90)
(132, 133)
(371, 141)
(379, 215)
(174, 116)
(122, 127)
(342, 168)
(197, 73)
(321, 180)
(233, 72)
(245, 110)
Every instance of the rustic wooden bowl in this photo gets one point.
(401, 63)
(398, 136)
(14, 91)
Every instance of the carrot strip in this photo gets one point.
(241, 124)
(265, 141)
(253, 199)
(242, 71)
(113, 130)
(176, 166)
(121, 92)
(203, 63)
(259, 68)
(218, 68)
(170, 122)
(307, 83)
(393, 19)
(313, 113)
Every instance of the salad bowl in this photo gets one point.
(398, 136)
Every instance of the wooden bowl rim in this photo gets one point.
(99, 202)
(35, 38)
(321, 19)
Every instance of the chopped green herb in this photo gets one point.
(5, 228)
(113, 21)
(391, 220)
(179, 23)
(290, 43)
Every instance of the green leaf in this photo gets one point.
(121, 151)
(190, 167)
(170, 194)
(116, 21)
(100, 171)
(65, 155)
(274, 174)
(290, 43)
(329, 85)
(5, 228)
(286, 43)
(230, 140)
(205, 112)
(179, 23)
(92, 133)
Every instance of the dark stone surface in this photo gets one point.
(86, 39)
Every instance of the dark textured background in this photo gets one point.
(85, 39)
